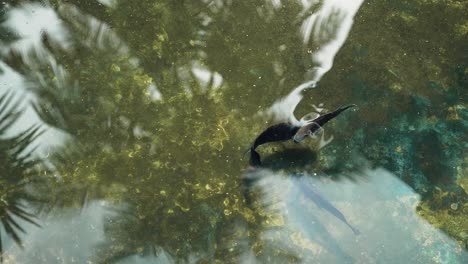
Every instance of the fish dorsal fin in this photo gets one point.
(309, 117)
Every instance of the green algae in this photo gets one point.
(452, 219)
(176, 162)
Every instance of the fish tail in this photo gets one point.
(327, 117)
(342, 108)
(254, 158)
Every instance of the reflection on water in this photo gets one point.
(377, 203)
(147, 106)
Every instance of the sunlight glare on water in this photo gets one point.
(123, 125)
(329, 26)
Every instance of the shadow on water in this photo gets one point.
(300, 159)
(307, 160)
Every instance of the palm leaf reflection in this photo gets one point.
(18, 170)
(173, 161)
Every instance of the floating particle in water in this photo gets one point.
(115, 68)
(454, 206)
(464, 234)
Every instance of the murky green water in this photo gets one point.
(144, 109)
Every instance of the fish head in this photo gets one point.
(308, 129)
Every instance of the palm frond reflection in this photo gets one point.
(19, 171)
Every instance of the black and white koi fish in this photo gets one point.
(286, 131)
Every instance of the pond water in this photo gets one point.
(124, 127)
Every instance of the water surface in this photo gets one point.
(136, 114)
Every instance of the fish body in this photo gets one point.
(287, 131)
(311, 126)
(278, 132)
(274, 133)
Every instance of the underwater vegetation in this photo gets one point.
(164, 146)
(416, 120)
